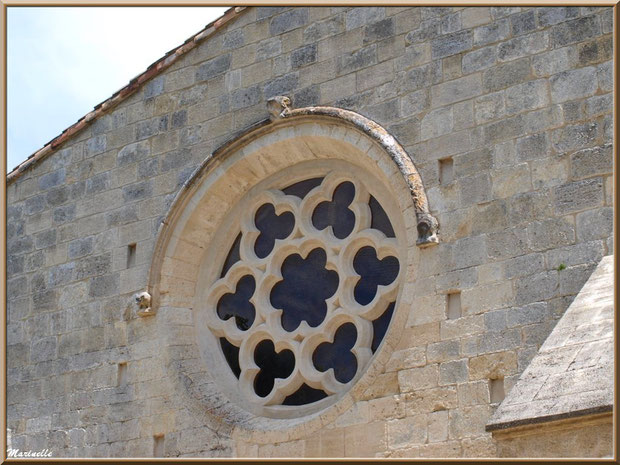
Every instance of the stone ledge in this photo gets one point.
(501, 427)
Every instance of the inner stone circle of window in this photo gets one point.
(306, 292)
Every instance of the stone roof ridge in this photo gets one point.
(572, 375)
(122, 94)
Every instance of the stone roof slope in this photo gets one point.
(573, 373)
(136, 83)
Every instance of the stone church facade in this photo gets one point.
(327, 232)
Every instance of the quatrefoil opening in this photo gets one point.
(337, 354)
(305, 287)
(271, 227)
(373, 273)
(272, 365)
(238, 305)
(336, 213)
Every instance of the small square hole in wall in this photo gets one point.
(131, 255)
(453, 306)
(158, 445)
(496, 390)
(446, 171)
(122, 374)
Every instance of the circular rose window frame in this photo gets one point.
(292, 146)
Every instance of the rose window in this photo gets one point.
(306, 291)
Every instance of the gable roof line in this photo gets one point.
(153, 70)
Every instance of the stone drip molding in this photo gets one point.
(280, 109)
(281, 113)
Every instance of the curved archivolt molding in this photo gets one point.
(279, 108)
(291, 146)
(282, 114)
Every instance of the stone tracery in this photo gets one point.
(298, 313)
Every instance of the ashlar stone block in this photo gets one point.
(573, 84)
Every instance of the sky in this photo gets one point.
(62, 61)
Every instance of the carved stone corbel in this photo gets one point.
(143, 301)
(278, 107)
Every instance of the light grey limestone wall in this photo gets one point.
(520, 100)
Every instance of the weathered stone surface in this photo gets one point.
(492, 366)
(595, 224)
(154, 87)
(95, 145)
(146, 129)
(243, 98)
(489, 107)
(304, 56)
(589, 162)
(523, 23)
(53, 179)
(527, 96)
(578, 195)
(595, 51)
(532, 147)
(554, 61)
(357, 17)
(517, 100)
(288, 21)
(479, 59)
(507, 74)
(213, 68)
(379, 30)
(322, 29)
(550, 233)
(418, 378)
(554, 15)
(442, 351)
(604, 74)
(575, 30)
(80, 247)
(427, 31)
(408, 431)
(573, 84)
(471, 17)
(541, 286)
(351, 62)
(437, 123)
(494, 32)
(451, 44)
(575, 137)
(453, 372)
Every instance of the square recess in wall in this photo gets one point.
(453, 305)
(131, 255)
(496, 390)
(446, 171)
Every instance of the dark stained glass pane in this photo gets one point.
(238, 305)
(304, 395)
(373, 272)
(301, 189)
(272, 365)
(231, 352)
(338, 355)
(233, 256)
(336, 213)
(305, 286)
(379, 219)
(272, 227)
(380, 326)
